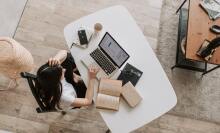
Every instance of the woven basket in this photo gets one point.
(14, 58)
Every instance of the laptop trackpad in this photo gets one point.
(88, 61)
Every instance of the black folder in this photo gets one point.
(130, 73)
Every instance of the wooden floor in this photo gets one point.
(41, 32)
(10, 14)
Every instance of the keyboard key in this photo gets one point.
(103, 61)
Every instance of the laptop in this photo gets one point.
(109, 56)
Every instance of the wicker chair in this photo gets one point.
(14, 58)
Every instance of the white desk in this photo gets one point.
(154, 86)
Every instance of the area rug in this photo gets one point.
(198, 97)
(10, 14)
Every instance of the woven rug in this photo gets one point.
(198, 97)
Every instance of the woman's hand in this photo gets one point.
(75, 69)
(76, 78)
(93, 71)
(54, 61)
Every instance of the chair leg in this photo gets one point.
(13, 81)
(173, 67)
(63, 112)
(12, 84)
(108, 131)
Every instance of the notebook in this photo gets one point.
(130, 73)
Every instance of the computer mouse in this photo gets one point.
(215, 29)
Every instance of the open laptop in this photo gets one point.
(109, 56)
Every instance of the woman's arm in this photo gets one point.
(78, 102)
(58, 58)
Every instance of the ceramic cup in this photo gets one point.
(97, 28)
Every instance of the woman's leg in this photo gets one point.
(69, 65)
(80, 89)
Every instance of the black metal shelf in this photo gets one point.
(181, 61)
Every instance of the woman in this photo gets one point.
(60, 85)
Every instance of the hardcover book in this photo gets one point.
(130, 73)
(130, 94)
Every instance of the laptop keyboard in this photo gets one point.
(103, 61)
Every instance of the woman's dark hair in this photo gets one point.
(49, 85)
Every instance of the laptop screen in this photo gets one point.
(113, 50)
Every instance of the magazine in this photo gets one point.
(212, 7)
(218, 1)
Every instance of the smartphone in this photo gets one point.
(82, 37)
